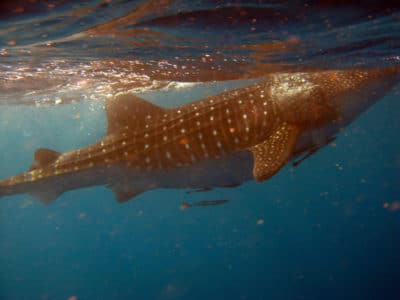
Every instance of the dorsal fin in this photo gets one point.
(127, 112)
(44, 157)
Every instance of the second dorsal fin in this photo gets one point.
(44, 157)
(128, 112)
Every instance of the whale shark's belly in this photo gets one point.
(228, 171)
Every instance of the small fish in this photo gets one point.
(203, 203)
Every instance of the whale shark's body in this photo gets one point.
(218, 141)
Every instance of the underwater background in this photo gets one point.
(328, 229)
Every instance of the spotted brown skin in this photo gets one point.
(204, 144)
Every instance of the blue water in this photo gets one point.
(328, 229)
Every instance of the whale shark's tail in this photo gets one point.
(29, 182)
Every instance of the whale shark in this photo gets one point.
(219, 141)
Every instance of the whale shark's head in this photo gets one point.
(317, 99)
(354, 91)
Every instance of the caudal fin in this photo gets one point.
(28, 183)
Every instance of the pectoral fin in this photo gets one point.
(272, 154)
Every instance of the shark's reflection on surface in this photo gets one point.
(219, 141)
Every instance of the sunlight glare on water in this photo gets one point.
(86, 50)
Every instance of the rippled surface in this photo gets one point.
(56, 52)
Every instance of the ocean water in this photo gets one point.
(328, 229)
